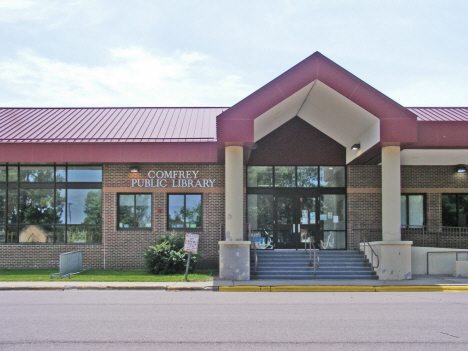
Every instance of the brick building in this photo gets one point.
(316, 154)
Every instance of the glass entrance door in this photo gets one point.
(285, 228)
(295, 222)
(308, 227)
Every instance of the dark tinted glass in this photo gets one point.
(12, 215)
(3, 174)
(12, 234)
(449, 210)
(84, 174)
(12, 173)
(2, 206)
(307, 177)
(2, 234)
(462, 210)
(260, 176)
(36, 206)
(84, 206)
(59, 234)
(36, 174)
(332, 177)
(285, 176)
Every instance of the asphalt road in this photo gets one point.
(159, 320)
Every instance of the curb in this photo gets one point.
(343, 288)
(109, 287)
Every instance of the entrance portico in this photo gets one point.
(346, 110)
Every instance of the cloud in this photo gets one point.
(131, 77)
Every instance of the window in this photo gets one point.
(184, 211)
(455, 210)
(38, 204)
(296, 176)
(412, 210)
(134, 211)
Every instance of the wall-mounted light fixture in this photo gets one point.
(134, 169)
(356, 147)
(461, 169)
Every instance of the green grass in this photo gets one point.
(98, 275)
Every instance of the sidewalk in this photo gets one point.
(418, 283)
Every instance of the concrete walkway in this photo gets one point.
(418, 283)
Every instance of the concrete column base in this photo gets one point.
(460, 269)
(234, 260)
(394, 257)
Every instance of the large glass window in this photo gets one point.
(37, 205)
(412, 210)
(455, 210)
(285, 176)
(307, 177)
(296, 176)
(260, 176)
(332, 177)
(134, 211)
(185, 211)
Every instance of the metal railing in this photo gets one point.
(436, 236)
(373, 253)
(254, 246)
(444, 252)
(316, 263)
(425, 236)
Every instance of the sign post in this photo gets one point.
(190, 246)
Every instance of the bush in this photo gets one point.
(167, 256)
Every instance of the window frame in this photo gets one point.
(185, 218)
(408, 209)
(134, 214)
(457, 196)
(18, 185)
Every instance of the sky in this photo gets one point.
(101, 53)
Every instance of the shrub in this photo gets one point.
(167, 256)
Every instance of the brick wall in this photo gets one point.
(365, 199)
(124, 249)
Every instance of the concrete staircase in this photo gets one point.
(294, 264)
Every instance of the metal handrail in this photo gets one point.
(373, 253)
(254, 244)
(316, 255)
(444, 252)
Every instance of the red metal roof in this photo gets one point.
(184, 124)
(174, 124)
(440, 114)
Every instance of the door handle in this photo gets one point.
(299, 227)
(294, 228)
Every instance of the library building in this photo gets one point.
(315, 175)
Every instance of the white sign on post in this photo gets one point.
(191, 243)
